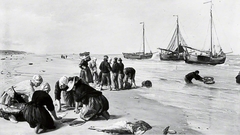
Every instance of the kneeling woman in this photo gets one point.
(34, 111)
(93, 103)
(37, 115)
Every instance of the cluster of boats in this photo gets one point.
(178, 49)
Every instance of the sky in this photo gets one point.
(113, 26)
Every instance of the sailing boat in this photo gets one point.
(211, 56)
(139, 55)
(175, 48)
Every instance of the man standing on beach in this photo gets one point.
(105, 69)
(120, 73)
(115, 70)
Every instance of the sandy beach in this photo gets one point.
(125, 105)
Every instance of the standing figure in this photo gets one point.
(120, 73)
(188, 78)
(238, 78)
(85, 72)
(21, 92)
(93, 69)
(105, 71)
(115, 71)
(129, 73)
(92, 102)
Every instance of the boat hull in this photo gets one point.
(137, 55)
(171, 57)
(199, 59)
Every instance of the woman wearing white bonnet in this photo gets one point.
(46, 87)
(22, 91)
(60, 85)
(93, 69)
(85, 72)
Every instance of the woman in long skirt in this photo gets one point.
(37, 115)
(23, 89)
(85, 72)
(93, 102)
(34, 111)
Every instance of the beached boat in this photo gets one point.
(213, 56)
(139, 55)
(175, 49)
(84, 54)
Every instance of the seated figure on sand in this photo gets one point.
(188, 78)
(129, 73)
(34, 111)
(92, 103)
(238, 78)
(62, 86)
(85, 72)
(20, 92)
(13, 112)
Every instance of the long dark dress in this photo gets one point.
(35, 113)
(85, 72)
(94, 103)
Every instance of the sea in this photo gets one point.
(216, 107)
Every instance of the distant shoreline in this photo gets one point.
(11, 52)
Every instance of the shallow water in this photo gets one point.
(209, 108)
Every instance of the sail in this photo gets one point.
(213, 56)
(175, 45)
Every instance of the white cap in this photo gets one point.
(46, 87)
(71, 84)
(37, 78)
(63, 80)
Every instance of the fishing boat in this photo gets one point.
(139, 55)
(213, 56)
(175, 49)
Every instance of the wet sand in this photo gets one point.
(125, 105)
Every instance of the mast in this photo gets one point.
(143, 37)
(177, 34)
(211, 29)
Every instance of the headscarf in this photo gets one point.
(37, 78)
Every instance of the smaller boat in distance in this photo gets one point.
(139, 55)
(175, 49)
(84, 54)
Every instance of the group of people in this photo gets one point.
(110, 73)
(29, 101)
